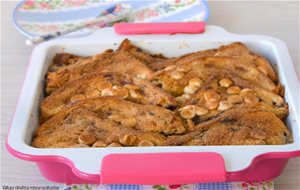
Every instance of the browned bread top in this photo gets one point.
(152, 61)
(175, 78)
(120, 61)
(82, 127)
(221, 93)
(237, 127)
(236, 49)
(224, 96)
(105, 84)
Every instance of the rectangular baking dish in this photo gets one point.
(153, 165)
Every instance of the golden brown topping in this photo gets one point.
(235, 99)
(132, 87)
(211, 96)
(99, 144)
(183, 68)
(121, 92)
(212, 104)
(92, 94)
(142, 76)
(136, 95)
(77, 98)
(224, 105)
(104, 85)
(124, 120)
(106, 92)
(171, 67)
(128, 122)
(263, 70)
(233, 90)
(127, 139)
(180, 99)
(225, 82)
(188, 112)
(145, 143)
(190, 89)
(87, 139)
(177, 74)
(200, 110)
(195, 82)
(79, 146)
(186, 96)
(114, 145)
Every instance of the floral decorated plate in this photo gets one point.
(37, 18)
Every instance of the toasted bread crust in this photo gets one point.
(128, 97)
(120, 61)
(105, 84)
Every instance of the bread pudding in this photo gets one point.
(128, 97)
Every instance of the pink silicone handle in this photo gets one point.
(160, 28)
(162, 168)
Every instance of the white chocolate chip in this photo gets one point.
(235, 99)
(251, 98)
(145, 143)
(195, 82)
(225, 82)
(186, 96)
(190, 89)
(212, 104)
(200, 110)
(99, 144)
(180, 99)
(106, 92)
(211, 95)
(127, 139)
(114, 145)
(187, 112)
(142, 76)
(233, 90)
(224, 105)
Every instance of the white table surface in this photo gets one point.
(274, 18)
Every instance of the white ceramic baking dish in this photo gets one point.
(163, 165)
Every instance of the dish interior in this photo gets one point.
(26, 117)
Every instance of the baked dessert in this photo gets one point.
(119, 61)
(174, 78)
(151, 60)
(128, 97)
(220, 93)
(105, 84)
(236, 49)
(108, 119)
(247, 126)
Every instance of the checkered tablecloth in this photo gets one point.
(262, 185)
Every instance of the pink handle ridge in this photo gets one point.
(160, 28)
(162, 168)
